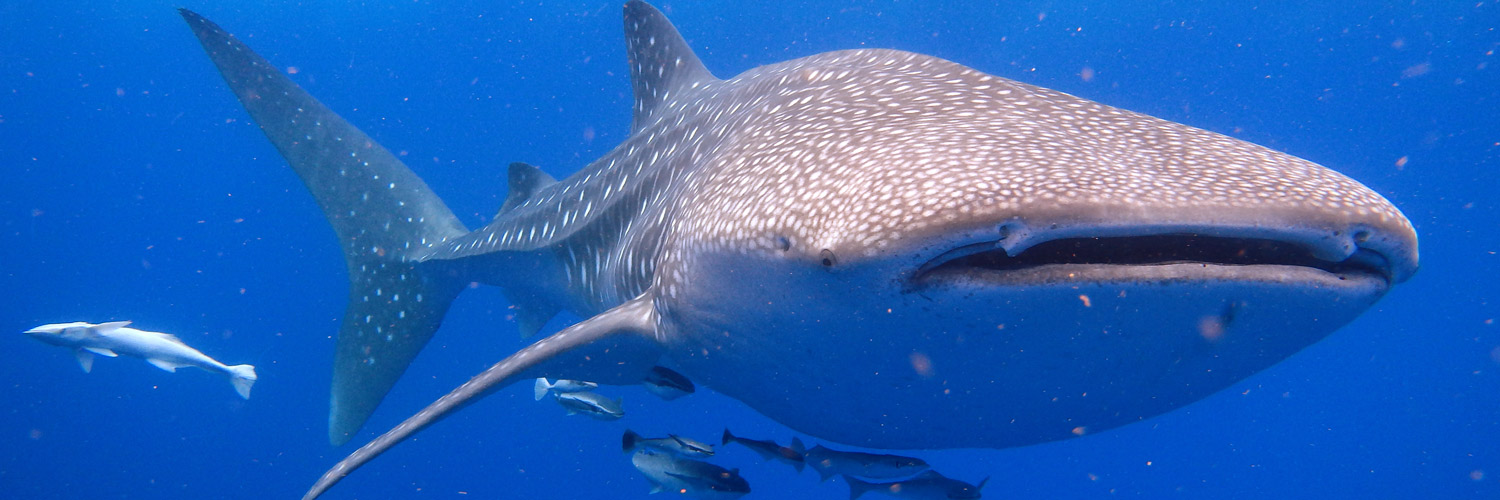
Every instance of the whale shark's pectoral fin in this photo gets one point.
(531, 313)
(85, 359)
(164, 364)
(101, 351)
(618, 346)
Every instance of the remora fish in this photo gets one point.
(681, 446)
(768, 235)
(590, 404)
(667, 384)
(162, 350)
(542, 387)
(829, 462)
(687, 476)
(769, 450)
(928, 486)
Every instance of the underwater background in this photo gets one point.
(136, 188)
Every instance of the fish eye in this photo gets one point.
(783, 244)
(828, 259)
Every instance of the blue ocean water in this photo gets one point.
(136, 188)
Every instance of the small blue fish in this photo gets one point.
(830, 462)
(927, 486)
(769, 450)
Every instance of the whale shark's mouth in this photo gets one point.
(988, 258)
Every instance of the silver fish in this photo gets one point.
(542, 387)
(162, 350)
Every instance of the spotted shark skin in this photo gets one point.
(873, 247)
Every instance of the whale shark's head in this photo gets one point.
(1000, 264)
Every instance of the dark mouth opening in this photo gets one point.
(1156, 250)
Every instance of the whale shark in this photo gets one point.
(873, 247)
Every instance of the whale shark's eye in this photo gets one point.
(828, 258)
(783, 244)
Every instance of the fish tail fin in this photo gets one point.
(801, 452)
(728, 438)
(242, 377)
(857, 487)
(798, 454)
(539, 390)
(386, 218)
(627, 442)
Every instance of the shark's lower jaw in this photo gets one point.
(979, 357)
(981, 349)
(1168, 256)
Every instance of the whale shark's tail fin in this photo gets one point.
(242, 376)
(383, 214)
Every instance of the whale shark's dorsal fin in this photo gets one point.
(661, 63)
(531, 313)
(524, 181)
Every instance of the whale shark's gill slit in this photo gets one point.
(1153, 250)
